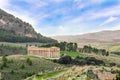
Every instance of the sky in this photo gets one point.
(66, 17)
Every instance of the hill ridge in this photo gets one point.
(97, 38)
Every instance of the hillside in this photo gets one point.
(12, 29)
(95, 39)
(19, 67)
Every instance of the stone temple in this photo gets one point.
(52, 52)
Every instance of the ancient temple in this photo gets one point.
(52, 52)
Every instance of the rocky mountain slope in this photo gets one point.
(10, 23)
(11, 26)
(98, 38)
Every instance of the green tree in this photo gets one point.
(29, 61)
(118, 76)
(4, 59)
(12, 72)
(22, 66)
(75, 46)
(65, 60)
(4, 62)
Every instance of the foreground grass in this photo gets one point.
(45, 76)
(18, 69)
(68, 74)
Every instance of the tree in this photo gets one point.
(4, 59)
(89, 49)
(65, 60)
(22, 66)
(107, 53)
(118, 76)
(4, 62)
(29, 61)
(75, 46)
(12, 72)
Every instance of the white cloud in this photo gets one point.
(109, 20)
(57, 1)
(94, 14)
(106, 12)
(4, 3)
(85, 3)
(36, 3)
(61, 28)
(117, 27)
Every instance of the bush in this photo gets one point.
(4, 62)
(112, 64)
(118, 76)
(4, 59)
(12, 72)
(22, 67)
(65, 60)
(29, 61)
(28, 74)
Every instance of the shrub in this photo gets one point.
(28, 74)
(22, 67)
(118, 76)
(29, 61)
(65, 60)
(4, 59)
(12, 72)
(4, 62)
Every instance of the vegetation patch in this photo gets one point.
(21, 67)
(90, 49)
(45, 76)
(72, 54)
(11, 50)
(11, 36)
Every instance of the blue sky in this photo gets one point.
(66, 17)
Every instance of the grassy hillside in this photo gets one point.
(11, 36)
(107, 59)
(72, 54)
(21, 44)
(11, 50)
(69, 74)
(46, 76)
(7, 48)
(17, 67)
(112, 48)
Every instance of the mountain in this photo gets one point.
(96, 39)
(13, 28)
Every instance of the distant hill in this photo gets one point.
(12, 29)
(95, 39)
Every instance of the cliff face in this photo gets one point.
(13, 24)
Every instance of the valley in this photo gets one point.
(38, 68)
